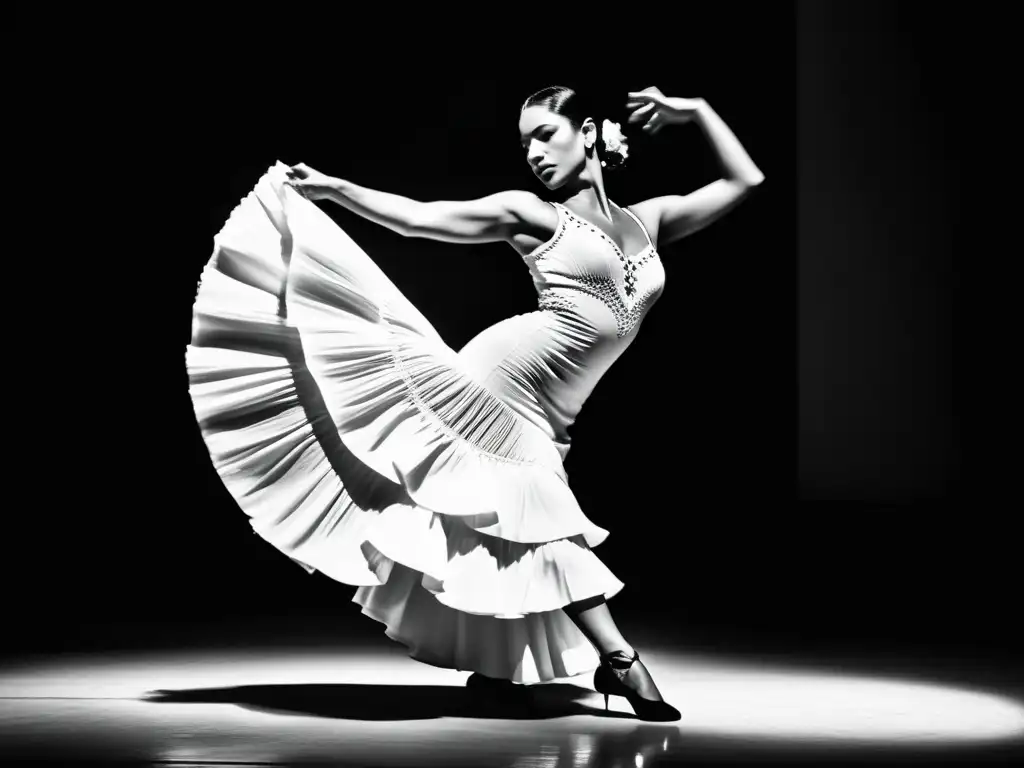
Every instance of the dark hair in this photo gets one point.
(569, 104)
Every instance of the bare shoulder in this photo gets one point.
(535, 220)
(528, 208)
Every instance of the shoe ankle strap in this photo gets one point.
(620, 659)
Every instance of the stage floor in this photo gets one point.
(300, 699)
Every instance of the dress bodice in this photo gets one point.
(592, 299)
(582, 271)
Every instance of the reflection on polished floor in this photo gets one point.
(375, 707)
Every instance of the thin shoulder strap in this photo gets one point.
(646, 233)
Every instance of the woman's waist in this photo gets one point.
(599, 305)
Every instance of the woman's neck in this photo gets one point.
(590, 196)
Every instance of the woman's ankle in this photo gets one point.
(621, 654)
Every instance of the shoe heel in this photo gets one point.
(606, 702)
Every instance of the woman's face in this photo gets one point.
(554, 149)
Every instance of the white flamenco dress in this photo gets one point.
(360, 445)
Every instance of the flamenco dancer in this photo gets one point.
(360, 445)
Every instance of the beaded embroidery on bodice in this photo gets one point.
(628, 292)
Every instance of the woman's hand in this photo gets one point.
(657, 110)
(309, 183)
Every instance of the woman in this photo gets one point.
(364, 447)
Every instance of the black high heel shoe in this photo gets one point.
(609, 679)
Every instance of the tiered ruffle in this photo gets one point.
(361, 446)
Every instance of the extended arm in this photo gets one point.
(493, 218)
(395, 212)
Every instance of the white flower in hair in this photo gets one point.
(614, 140)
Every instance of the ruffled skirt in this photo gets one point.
(361, 446)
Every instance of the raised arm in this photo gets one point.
(677, 216)
(495, 218)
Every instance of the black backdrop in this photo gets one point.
(777, 455)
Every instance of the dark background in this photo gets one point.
(779, 456)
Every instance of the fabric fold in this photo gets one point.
(362, 447)
(456, 447)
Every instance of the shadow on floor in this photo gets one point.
(396, 702)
